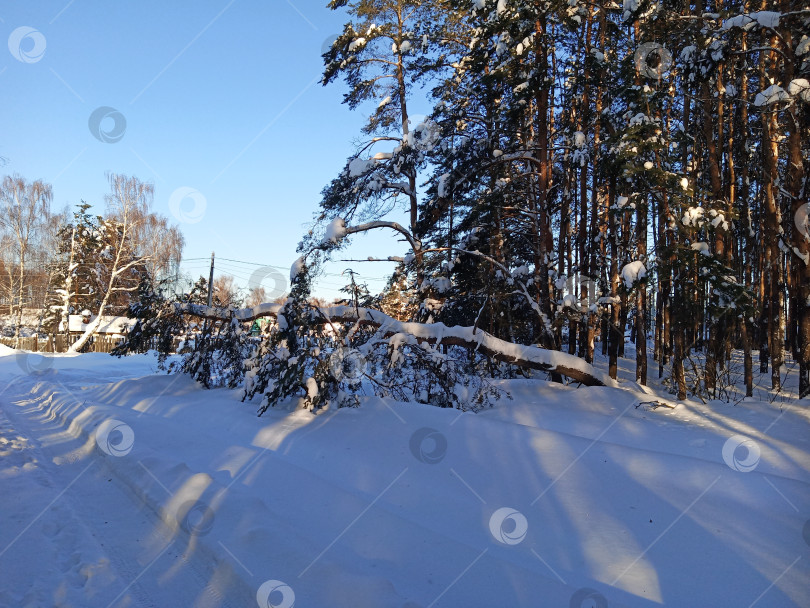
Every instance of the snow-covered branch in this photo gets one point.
(415, 244)
(530, 357)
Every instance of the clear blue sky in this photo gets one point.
(219, 96)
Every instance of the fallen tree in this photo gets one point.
(525, 356)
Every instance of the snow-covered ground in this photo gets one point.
(122, 487)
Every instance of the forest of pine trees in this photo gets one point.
(592, 175)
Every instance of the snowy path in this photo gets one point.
(362, 508)
(80, 538)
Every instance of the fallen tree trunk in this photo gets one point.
(530, 357)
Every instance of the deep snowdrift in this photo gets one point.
(190, 500)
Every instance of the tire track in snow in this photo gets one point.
(94, 531)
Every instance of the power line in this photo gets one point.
(246, 279)
(235, 269)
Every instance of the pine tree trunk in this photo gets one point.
(773, 267)
(748, 363)
(678, 375)
(641, 299)
(799, 287)
(541, 153)
(615, 337)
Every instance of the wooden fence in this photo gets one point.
(60, 343)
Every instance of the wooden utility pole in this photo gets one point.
(211, 280)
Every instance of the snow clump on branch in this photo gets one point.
(633, 272)
(335, 232)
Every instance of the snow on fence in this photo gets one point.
(61, 343)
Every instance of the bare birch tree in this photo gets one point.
(127, 207)
(24, 208)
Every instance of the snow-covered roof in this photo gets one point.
(109, 324)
